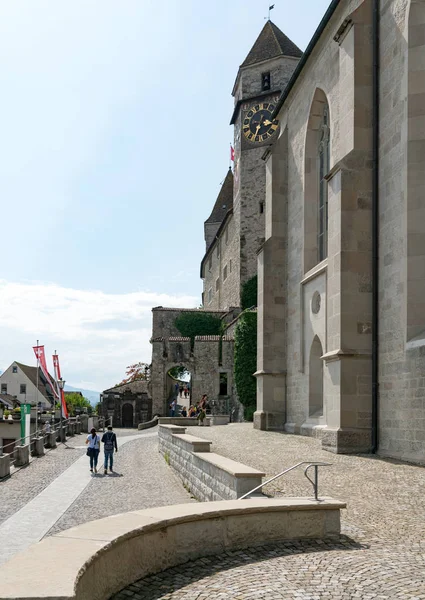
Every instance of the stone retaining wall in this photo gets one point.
(97, 559)
(208, 476)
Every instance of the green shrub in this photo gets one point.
(191, 324)
(249, 293)
(246, 362)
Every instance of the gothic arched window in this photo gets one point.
(316, 168)
(323, 169)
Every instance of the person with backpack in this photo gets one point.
(110, 443)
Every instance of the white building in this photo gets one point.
(20, 381)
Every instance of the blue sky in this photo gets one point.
(115, 138)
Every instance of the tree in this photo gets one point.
(75, 400)
(246, 362)
(249, 293)
(138, 372)
(179, 372)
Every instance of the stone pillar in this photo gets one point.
(39, 446)
(22, 455)
(51, 440)
(159, 399)
(271, 344)
(78, 428)
(71, 429)
(4, 466)
(348, 358)
(84, 423)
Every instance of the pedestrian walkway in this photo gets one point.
(47, 511)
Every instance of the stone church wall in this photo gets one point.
(341, 70)
(281, 69)
(230, 290)
(401, 360)
(341, 328)
(323, 72)
(212, 271)
(222, 279)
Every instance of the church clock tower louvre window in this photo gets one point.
(323, 169)
(265, 81)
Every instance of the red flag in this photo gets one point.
(39, 353)
(57, 377)
(232, 153)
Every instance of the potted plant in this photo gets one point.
(16, 415)
(6, 414)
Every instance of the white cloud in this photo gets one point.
(96, 334)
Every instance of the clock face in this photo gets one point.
(258, 124)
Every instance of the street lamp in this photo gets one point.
(61, 385)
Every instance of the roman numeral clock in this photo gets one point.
(258, 125)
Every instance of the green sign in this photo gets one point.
(25, 420)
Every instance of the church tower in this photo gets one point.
(261, 79)
(235, 229)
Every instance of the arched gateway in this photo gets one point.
(206, 359)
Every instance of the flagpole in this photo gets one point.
(36, 397)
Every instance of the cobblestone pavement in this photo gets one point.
(50, 498)
(142, 479)
(27, 483)
(380, 555)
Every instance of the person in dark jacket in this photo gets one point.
(110, 443)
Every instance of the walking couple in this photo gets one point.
(109, 440)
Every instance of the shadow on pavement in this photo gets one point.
(169, 581)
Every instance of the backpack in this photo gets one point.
(109, 441)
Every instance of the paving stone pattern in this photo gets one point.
(141, 479)
(380, 554)
(27, 483)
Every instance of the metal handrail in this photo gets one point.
(54, 429)
(32, 436)
(314, 483)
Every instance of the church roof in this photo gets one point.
(224, 200)
(270, 43)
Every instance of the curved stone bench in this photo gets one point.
(95, 560)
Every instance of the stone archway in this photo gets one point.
(127, 415)
(179, 386)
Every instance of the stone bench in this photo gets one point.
(208, 476)
(95, 560)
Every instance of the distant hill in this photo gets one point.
(91, 395)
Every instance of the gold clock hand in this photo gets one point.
(267, 122)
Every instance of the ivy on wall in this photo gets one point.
(246, 362)
(249, 293)
(191, 324)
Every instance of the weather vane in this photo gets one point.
(271, 7)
